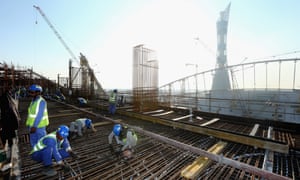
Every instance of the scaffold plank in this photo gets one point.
(192, 170)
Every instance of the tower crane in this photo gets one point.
(83, 61)
(55, 32)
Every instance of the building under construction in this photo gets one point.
(144, 77)
(21, 78)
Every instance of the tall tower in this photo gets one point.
(221, 77)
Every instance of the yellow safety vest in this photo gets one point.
(40, 145)
(134, 137)
(32, 113)
(112, 98)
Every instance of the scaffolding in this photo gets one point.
(20, 78)
(82, 81)
(145, 78)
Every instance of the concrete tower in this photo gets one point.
(221, 77)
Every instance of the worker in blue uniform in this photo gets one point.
(80, 126)
(54, 145)
(112, 102)
(37, 119)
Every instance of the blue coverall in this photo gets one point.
(53, 149)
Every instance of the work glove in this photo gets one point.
(65, 167)
(32, 129)
(73, 155)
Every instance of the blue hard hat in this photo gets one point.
(63, 131)
(35, 88)
(88, 123)
(117, 129)
(82, 100)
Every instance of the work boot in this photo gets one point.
(49, 171)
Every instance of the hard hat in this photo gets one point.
(63, 131)
(117, 129)
(88, 123)
(82, 100)
(35, 88)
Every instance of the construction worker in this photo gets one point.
(130, 140)
(129, 143)
(79, 126)
(54, 145)
(37, 119)
(116, 132)
(113, 102)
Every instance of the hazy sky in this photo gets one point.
(106, 31)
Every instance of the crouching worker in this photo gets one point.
(54, 145)
(79, 126)
(129, 143)
(117, 132)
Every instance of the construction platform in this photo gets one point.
(169, 147)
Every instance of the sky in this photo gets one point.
(180, 31)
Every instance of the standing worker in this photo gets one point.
(10, 118)
(112, 102)
(79, 126)
(54, 145)
(37, 119)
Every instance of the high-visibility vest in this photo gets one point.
(32, 113)
(134, 137)
(112, 98)
(40, 145)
